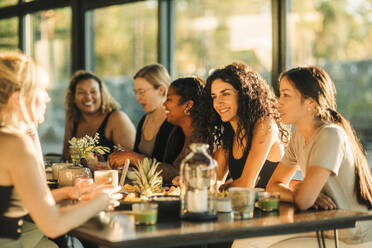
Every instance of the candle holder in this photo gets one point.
(198, 178)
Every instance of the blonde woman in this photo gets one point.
(91, 109)
(23, 188)
(150, 87)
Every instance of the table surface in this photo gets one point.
(170, 233)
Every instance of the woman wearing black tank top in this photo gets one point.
(23, 100)
(246, 124)
(91, 109)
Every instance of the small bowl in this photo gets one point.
(258, 190)
(268, 201)
(56, 167)
(222, 204)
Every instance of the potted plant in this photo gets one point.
(85, 149)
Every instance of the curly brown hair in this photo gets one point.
(72, 112)
(255, 101)
(192, 88)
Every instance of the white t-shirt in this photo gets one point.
(329, 148)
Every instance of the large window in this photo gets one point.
(5, 3)
(48, 42)
(124, 40)
(119, 37)
(337, 36)
(8, 34)
(211, 34)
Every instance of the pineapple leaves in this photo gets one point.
(145, 175)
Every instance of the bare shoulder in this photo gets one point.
(119, 119)
(14, 146)
(9, 141)
(119, 116)
(266, 126)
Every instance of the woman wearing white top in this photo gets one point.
(325, 148)
(23, 99)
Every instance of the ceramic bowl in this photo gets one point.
(58, 166)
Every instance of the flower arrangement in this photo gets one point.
(84, 149)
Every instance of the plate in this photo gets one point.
(168, 206)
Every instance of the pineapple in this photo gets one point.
(146, 178)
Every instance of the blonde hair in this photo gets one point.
(18, 73)
(72, 112)
(156, 75)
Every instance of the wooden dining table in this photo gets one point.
(120, 230)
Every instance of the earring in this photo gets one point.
(187, 111)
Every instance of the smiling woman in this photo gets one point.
(246, 124)
(91, 109)
(150, 88)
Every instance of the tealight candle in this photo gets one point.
(197, 201)
(268, 201)
(145, 213)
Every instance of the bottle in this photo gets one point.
(198, 178)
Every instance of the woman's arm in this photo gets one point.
(27, 176)
(279, 182)
(118, 158)
(265, 135)
(306, 193)
(122, 130)
(64, 193)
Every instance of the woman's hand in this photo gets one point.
(176, 181)
(225, 186)
(324, 202)
(118, 158)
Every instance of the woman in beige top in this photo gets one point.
(323, 146)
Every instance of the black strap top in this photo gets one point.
(10, 227)
(236, 167)
(161, 141)
(103, 140)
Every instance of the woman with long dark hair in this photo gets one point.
(325, 148)
(246, 124)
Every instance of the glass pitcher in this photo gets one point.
(198, 178)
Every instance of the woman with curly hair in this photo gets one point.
(246, 124)
(185, 109)
(91, 109)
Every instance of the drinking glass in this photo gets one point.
(242, 202)
(268, 201)
(145, 213)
